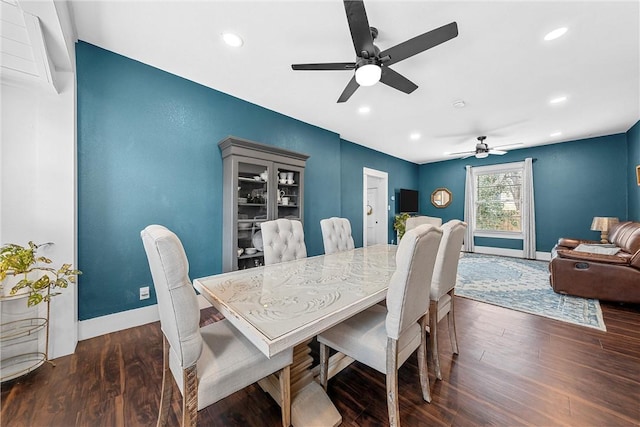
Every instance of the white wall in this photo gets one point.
(38, 185)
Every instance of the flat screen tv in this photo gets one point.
(408, 200)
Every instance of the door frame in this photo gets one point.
(383, 196)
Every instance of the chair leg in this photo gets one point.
(452, 326)
(422, 363)
(190, 396)
(393, 404)
(165, 396)
(433, 337)
(324, 366)
(285, 395)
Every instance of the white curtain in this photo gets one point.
(468, 211)
(528, 211)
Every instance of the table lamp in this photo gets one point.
(603, 225)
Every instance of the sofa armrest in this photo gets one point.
(589, 257)
(570, 243)
(635, 260)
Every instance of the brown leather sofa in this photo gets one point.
(592, 275)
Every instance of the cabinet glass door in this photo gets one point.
(289, 192)
(253, 209)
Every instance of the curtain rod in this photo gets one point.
(533, 160)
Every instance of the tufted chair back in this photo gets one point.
(414, 221)
(336, 235)
(177, 303)
(283, 240)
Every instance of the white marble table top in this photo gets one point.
(281, 305)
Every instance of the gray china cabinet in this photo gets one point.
(260, 183)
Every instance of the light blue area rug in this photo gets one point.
(522, 285)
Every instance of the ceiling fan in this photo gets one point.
(372, 65)
(483, 150)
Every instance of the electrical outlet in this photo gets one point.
(144, 292)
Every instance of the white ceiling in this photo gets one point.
(499, 65)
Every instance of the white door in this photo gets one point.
(372, 213)
(375, 216)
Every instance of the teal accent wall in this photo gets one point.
(353, 159)
(148, 153)
(633, 146)
(573, 182)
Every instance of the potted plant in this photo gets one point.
(400, 224)
(33, 273)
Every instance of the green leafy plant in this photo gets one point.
(400, 224)
(37, 278)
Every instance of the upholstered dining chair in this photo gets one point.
(283, 240)
(384, 338)
(207, 363)
(442, 287)
(336, 235)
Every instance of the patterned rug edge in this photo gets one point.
(601, 327)
(501, 277)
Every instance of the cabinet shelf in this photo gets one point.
(251, 180)
(247, 256)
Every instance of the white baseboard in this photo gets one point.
(515, 253)
(124, 320)
(543, 256)
(488, 250)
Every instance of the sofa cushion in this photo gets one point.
(626, 235)
(597, 249)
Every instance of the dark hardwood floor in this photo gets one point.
(513, 369)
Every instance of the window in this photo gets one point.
(498, 199)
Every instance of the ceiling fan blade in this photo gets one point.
(420, 43)
(359, 26)
(397, 80)
(326, 66)
(468, 155)
(509, 145)
(471, 153)
(498, 152)
(349, 90)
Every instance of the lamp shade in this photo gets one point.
(603, 223)
(368, 74)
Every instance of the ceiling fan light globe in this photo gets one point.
(368, 74)
(482, 155)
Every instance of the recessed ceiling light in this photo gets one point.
(558, 100)
(415, 136)
(232, 40)
(554, 134)
(459, 104)
(365, 109)
(558, 32)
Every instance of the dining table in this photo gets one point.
(285, 305)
